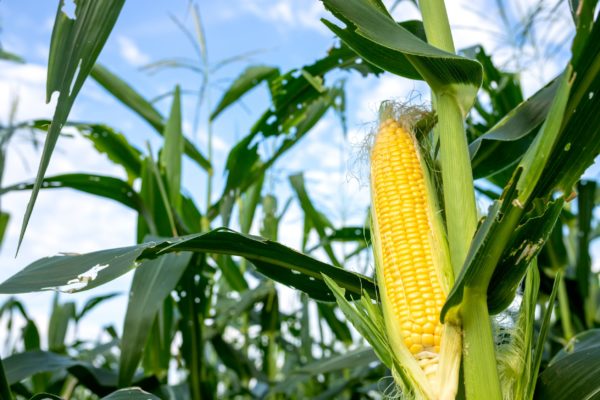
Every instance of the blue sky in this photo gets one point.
(286, 34)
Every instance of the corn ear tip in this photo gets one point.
(405, 114)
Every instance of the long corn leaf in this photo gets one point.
(81, 272)
(74, 48)
(152, 282)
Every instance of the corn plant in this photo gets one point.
(459, 306)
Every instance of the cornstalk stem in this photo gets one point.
(459, 193)
(437, 27)
(481, 374)
(565, 314)
(481, 382)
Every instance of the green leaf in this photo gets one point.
(386, 59)
(250, 201)
(150, 194)
(317, 219)
(367, 319)
(338, 328)
(503, 88)
(170, 157)
(349, 234)
(528, 239)
(537, 161)
(276, 261)
(74, 48)
(100, 381)
(574, 373)
(567, 143)
(115, 146)
(248, 80)
(152, 282)
(123, 92)
(541, 340)
(8, 56)
(359, 357)
(130, 394)
(190, 218)
(4, 384)
(494, 237)
(585, 207)
(272, 259)
(232, 273)
(4, 218)
(360, 234)
(583, 14)
(579, 141)
(244, 166)
(297, 107)
(525, 326)
(376, 37)
(161, 198)
(506, 142)
(74, 273)
(225, 311)
(31, 336)
(93, 302)
(234, 359)
(62, 314)
(133, 100)
(23, 365)
(45, 396)
(103, 186)
(157, 351)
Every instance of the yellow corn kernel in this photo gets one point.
(412, 284)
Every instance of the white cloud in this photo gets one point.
(25, 84)
(288, 13)
(130, 51)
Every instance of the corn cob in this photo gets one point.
(411, 255)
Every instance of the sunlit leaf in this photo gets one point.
(122, 91)
(318, 220)
(133, 100)
(73, 273)
(74, 48)
(278, 262)
(170, 157)
(248, 80)
(102, 186)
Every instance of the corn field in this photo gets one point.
(434, 297)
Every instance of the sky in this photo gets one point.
(283, 33)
